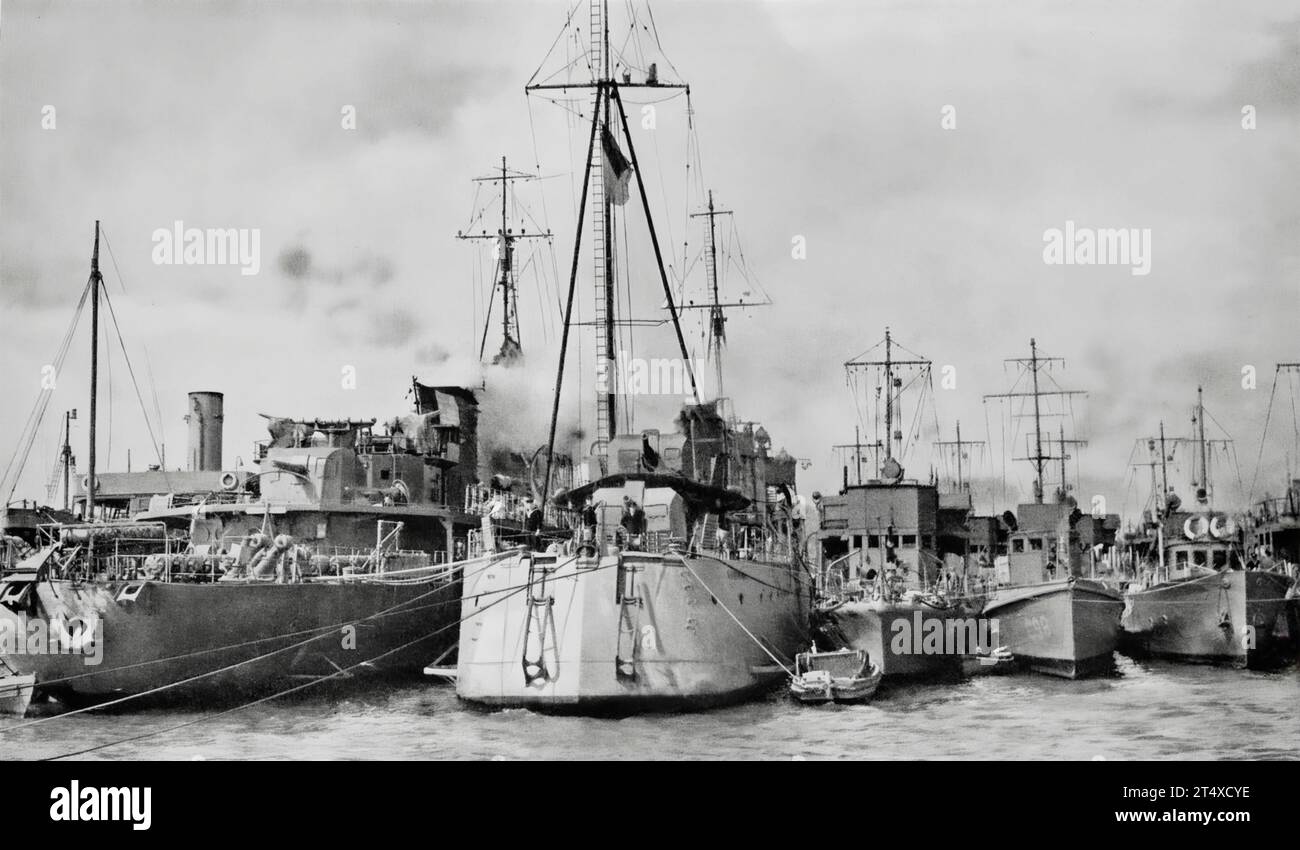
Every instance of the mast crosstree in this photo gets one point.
(1033, 364)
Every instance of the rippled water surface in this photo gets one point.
(1144, 710)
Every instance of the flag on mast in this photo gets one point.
(617, 170)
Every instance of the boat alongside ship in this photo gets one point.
(883, 583)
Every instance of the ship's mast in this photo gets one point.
(714, 304)
(889, 397)
(1200, 439)
(1034, 362)
(506, 237)
(959, 445)
(95, 280)
(66, 457)
(889, 365)
(1065, 455)
(1200, 463)
(1164, 469)
(1160, 482)
(1038, 429)
(717, 318)
(607, 104)
(607, 419)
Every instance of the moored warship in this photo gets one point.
(1204, 597)
(681, 585)
(884, 587)
(331, 559)
(1051, 615)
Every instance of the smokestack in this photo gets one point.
(205, 417)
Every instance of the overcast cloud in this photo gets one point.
(815, 119)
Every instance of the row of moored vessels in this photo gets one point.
(647, 569)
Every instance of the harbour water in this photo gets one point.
(1145, 710)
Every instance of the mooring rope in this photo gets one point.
(324, 630)
(724, 607)
(508, 593)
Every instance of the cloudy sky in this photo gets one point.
(819, 120)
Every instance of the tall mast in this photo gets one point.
(605, 246)
(66, 456)
(960, 486)
(889, 365)
(717, 315)
(1200, 439)
(95, 279)
(716, 319)
(1164, 467)
(606, 93)
(505, 237)
(889, 397)
(1034, 363)
(960, 446)
(1064, 457)
(1038, 425)
(509, 321)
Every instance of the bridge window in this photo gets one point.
(1036, 544)
(1198, 557)
(1018, 545)
(1220, 558)
(909, 540)
(1180, 558)
(873, 541)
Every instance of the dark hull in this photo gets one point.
(1241, 618)
(875, 626)
(171, 632)
(1062, 628)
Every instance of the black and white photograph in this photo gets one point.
(684, 380)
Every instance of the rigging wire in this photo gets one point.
(153, 439)
(18, 460)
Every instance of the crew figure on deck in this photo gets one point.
(724, 534)
(633, 523)
(589, 522)
(533, 524)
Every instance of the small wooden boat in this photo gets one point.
(988, 662)
(16, 693)
(845, 675)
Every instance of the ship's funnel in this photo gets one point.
(205, 418)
